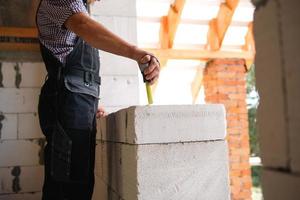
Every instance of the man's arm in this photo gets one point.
(100, 37)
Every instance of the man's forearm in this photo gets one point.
(101, 38)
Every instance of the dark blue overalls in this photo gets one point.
(67, 110)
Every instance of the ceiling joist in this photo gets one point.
(219, 25)
(188, 54)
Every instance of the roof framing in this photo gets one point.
(219, 25)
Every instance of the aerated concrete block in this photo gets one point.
(269, 62)
(278, 185)
(8, 131)
(13, 100)
(29, 127)
(21, 179)
(166, 124)
(163, 153)
(123, 8)
(22, 75)
(24, 196)
(20, 153)
(124, 92)
(174, 171)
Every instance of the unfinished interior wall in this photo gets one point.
(225, 82)
(163, 153)
(21, 140)
(120, 81)
(277, 31)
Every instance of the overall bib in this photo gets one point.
(67, 110)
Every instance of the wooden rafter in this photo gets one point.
(196, 84)
(219, 25)
(199, 54)
(168, 29)
(169, 24)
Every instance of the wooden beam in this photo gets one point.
(197, 84)
(249, 39)
(219, 26)
(8, 46)
(199, 54)
(19, 32)
(169, 24)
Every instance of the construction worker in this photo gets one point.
(68, 103)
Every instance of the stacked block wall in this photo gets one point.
(277, 31)
(225, 82)
(21, 141)
(163, 153)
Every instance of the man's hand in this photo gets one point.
(151, 73)
(101, 112)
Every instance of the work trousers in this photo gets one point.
(70, 158)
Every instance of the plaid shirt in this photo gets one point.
(51, 17)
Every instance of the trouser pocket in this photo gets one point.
(61, 149)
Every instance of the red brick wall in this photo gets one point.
(225, 82)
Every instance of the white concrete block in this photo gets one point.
(33, 74)
(19, 100)
(125, 27)
(114, 8)
(116, 65)
(9, 74)
(167, 124)
(25, 196)
(19, 153)
(21, 179)
(9, 127)
(30, 74)
(187, 171)
(183, 171)
(29, 127)
(119, 91)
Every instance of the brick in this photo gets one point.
(23, 182)
(9, 127)
(279, 185)
(291, 45)
(25, 196)
(10, 153)
(271, 103)
(19, 100)
(29, 127)
(229, 62)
